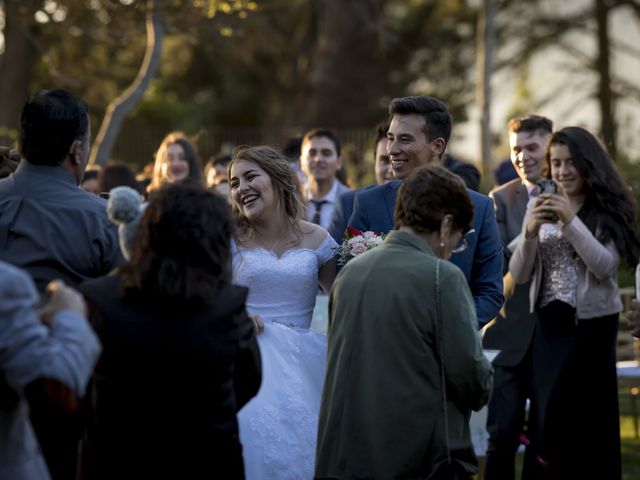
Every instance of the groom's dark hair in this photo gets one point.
(437, 119)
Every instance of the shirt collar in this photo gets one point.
(329, 197)
(57, 172)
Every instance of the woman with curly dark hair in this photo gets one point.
(573, 241)
(180, 356)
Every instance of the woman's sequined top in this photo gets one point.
(559, 266)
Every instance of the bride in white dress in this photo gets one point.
(282, 259)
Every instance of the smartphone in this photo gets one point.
(547, 186)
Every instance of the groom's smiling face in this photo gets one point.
(408, 147)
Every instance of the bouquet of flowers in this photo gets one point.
(356, 243)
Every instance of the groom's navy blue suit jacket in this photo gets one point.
(481, 262)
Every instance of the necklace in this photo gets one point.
(276, 246)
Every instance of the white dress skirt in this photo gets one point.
(278, 427)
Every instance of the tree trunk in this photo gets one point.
(346, 75)
(121, 106)
(603, 64)
(485, 52)
(16, 65)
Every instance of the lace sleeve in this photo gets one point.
(327, 250)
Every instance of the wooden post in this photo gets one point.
(484, 65)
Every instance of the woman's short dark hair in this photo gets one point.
(51, 121)
(427, 195)
(182, 249)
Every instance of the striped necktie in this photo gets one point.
(316, 215)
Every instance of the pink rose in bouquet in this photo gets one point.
(356, 243)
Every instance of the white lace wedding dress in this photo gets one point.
(278, 427)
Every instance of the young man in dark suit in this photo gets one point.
(512, 330)
(418, 135)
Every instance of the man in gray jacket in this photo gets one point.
(512, 330)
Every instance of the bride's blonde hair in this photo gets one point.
(285, 185)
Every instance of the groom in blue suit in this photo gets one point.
(418, 135)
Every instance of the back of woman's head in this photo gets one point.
(182, 249)
(283, 179)
(609, 210)
(116, 175)
(159, 176)
(427, 195)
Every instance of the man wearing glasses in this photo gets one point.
(418, 135)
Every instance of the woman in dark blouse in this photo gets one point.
(179, 352)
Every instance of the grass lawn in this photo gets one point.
(630, 449)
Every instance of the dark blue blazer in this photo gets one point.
(342, 213)
(481, 263)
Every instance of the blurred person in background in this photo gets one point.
(89, 181)
(176, 161)
(321, 160)
(9, 161)
(116, 175)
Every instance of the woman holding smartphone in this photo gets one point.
(573, 242)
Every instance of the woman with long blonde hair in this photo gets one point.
(282, 259)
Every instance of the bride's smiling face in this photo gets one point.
(252, 190)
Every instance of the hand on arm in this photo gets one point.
(62, 297)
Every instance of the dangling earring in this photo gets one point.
(441, 243)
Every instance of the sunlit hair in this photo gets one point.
(181, 252)
(437, 119)
(195, 167)
(609, 210)
(51, 121)
(530, 123)
(427, 195)
(284, 182)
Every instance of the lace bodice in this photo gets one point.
(281, 289)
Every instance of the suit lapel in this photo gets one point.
(390, 201)
(521, 201)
